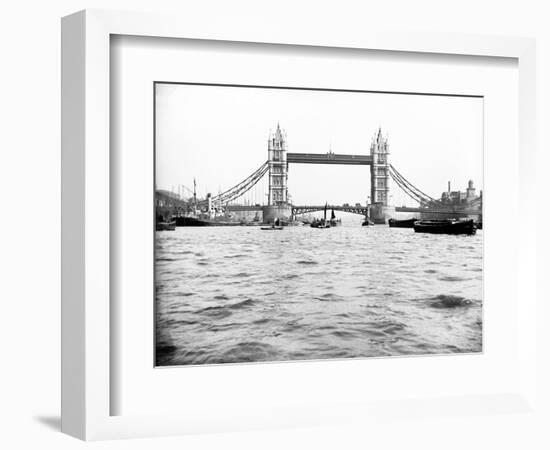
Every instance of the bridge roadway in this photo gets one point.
(304, 209)
(361, 209)
(329, 158)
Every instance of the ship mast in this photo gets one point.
(195, 194)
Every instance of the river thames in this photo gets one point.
(240, 294)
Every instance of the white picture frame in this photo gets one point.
(86, 386)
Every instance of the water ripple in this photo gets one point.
(236, 294)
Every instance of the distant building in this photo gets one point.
(471, 190)
(457, 198)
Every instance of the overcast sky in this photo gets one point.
(218, 135)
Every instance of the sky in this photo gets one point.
(218, 136)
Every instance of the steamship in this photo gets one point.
(204, 221)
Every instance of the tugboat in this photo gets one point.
(449, 226)
(407, 223)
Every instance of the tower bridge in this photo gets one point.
(279, 159)
(278, 199)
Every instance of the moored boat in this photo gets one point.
(449, 226)
(166, 226)
(191, 221)
(406, 223)
(251, 224)
(197, 218)
(273, 227)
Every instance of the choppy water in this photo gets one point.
(239, 294)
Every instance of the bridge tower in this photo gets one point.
(380, 211)
(278, 205)
(278, 168)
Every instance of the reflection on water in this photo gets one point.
(239, 294)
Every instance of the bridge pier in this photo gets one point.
(281, 211)
(380, 213)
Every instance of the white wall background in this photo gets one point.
(29, 229)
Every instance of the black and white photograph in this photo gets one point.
(296, 224)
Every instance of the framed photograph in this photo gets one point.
(270, 229)
(227, 292)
